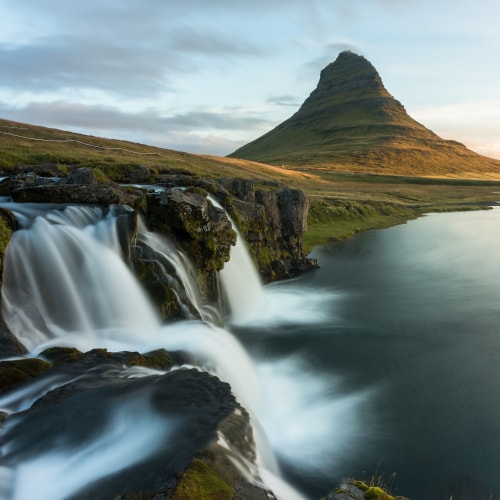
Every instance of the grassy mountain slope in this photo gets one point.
(341, 204)
(350, 123)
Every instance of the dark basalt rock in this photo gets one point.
(82, 176)
(271, 217)
(78, 194)
(273, 223)
(203, 230)
(16, 372)
(42, 170)
(187, 409)
(138, 175)
(32, 183)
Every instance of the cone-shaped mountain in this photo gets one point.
(350, 122)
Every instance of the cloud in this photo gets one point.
(475, 123)
(56, 63)
(127, 48)
(329, 53)
(101, 117)
(130, 69)
(190, 131)
(284, 100)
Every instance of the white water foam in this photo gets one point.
(303, 413)
(286, 304)
(76, 291)
(62, 472)
(67, 281)
(240, 280)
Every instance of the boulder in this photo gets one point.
(43, 170)
(16, 372)
(138, 175)
(79, 194)
(82, 176)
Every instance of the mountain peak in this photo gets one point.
(351, 122)
(349, 77)
(352, 70)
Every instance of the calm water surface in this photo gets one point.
(387, 360)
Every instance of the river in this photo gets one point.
(396, 372)
(383, 362)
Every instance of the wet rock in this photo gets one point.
(80, 194)
(174, 417)
(203, 231)
(82, 176)
(159, 359)
(16, 372)
(273, 223)
(9, 345)
(43, 170)
(351, 489)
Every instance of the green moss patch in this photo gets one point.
(200, 482)
(13, 373)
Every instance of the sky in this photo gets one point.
(207, 76)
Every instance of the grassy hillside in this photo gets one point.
(341, 203)
(30, 144)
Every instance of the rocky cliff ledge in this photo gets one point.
(271, 217)
(96, 384)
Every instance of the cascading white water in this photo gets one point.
(240, 279)
(178, 271)
(65, 283)
(70, 280)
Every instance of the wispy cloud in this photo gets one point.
(475, 123)
(176, 131)
(284, 100)
(225, 68)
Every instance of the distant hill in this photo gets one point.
(26, 144)
(350, 122)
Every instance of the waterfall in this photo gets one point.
(65, 283)
(240, 280)
(68, 275)
(178, 272)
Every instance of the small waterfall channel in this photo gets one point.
(66, 283)
(240, 279)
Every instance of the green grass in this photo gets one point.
(200, 482)
(330, 219)
(373, 200)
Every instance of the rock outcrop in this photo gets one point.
(272, 219)
(80, 186)
(187, 409)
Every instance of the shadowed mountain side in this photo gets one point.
(351, 123)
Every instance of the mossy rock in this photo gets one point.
(151, 275)
(13, 373)
(375, 492)
(62, 355)
(159, 359)
(200, 482)
(7, 225)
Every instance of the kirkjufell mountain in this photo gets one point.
(350, 122)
